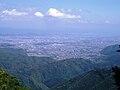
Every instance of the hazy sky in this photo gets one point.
(60, 14)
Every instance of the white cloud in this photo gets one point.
(14, 12)
(56, 13)
(38, 14)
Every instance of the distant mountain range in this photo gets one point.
(44, 73)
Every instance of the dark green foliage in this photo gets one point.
(116, 76)
(42, 73)
(37, 72)
(8, 82)
(17, 63)
(99, 79)
(92, 80)
(64, 70)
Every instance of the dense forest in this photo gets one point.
(45, 73)
(8, 82)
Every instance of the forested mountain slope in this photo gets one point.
(34, 71)
(93, 80)
(43, 73)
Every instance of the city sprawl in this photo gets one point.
(59, 47)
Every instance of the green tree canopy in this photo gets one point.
(8, 82)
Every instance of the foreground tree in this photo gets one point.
(116, 76)
(8, 82)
